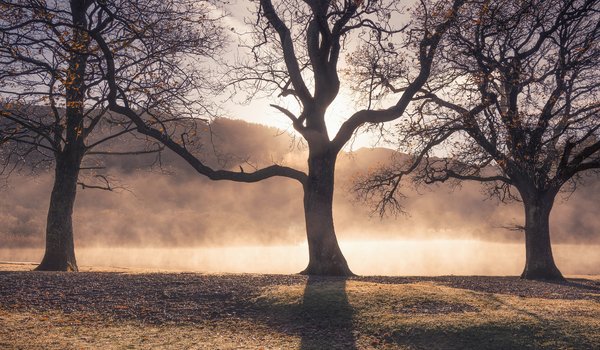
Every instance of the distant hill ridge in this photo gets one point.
(184, 208)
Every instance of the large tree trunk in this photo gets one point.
(60, 249)
(325, 256)
(539, 263)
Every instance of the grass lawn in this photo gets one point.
(135, 310)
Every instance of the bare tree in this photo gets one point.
(54, 100)
(297, 47)
(513, 104)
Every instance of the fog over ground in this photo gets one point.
(175, 207)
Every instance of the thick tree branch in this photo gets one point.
(289, 53)
(199, 166)
(427, 49)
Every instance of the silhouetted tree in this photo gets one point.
(54, 100)
(296, 48)
(513, 103)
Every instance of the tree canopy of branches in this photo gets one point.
(54, 106)
(513, 103)
(296, 47)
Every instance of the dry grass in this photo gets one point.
(57, 330)
(430, 316)
(292, 312)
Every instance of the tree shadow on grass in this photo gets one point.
(521, 329)
(493, 336)
(321, 316)
(579, 283)
(326, 315)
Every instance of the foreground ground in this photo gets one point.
(128, 309)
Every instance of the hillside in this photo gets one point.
(174, 206)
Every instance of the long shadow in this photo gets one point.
(580, 283)
(326, 315)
